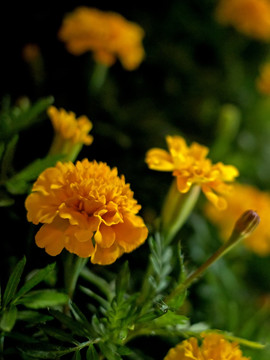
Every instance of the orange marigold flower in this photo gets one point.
(251, 17)
(109, 35)
(87, 209)
(190, 166)
(245, 197)
(263, 80)
(70, 128)
(214, 346)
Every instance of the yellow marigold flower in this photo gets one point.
(263, 80)
(109, 35)
(70, 128)
(190, 166)
(251, 17)
(245, 197)
(87, 209)
(70, 134)
(214, 346)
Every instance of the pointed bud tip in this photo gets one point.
(247, 223)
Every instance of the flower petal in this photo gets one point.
(106, 256)
(131, 233)
(158, 159)
(52, 237)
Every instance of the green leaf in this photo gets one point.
(8, 156)
(15, 119)
(58, 334)
(46, 351)
(75, 326)
(13, 282)
(171, 319)
(43, 298)
(77, 355)
(122, 282)
(33, 317)
(5, 201)
(78, 315)
(178, 300)
(34, 280)
(19, 183)
(109, 351)
(91, 353)
(8, 319)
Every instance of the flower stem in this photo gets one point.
(244, 226)
(73, 266)
(97, 78)
(177, 208)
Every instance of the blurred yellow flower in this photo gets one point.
(190, 166)
(263, 80)
(87, 209)
(214, 347)
(31, 52)
(250, 17)
(109, 35)
(70, 134)
(70, 128)
(245, 197)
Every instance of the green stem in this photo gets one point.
(234, 239)
(73, 266)
(97, 78)
(177, 208)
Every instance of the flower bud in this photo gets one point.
(247, 223)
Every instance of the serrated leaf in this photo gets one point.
(40, 299)
(8, 319)
(91, 353)
(178, 300)
(170, 319)
(77, 313)
(109, 351)
(13, 282)
(58, 334)
(39, 276)
(124, 350)
(46, 351)
(75, 326)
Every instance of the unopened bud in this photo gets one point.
(247, 223)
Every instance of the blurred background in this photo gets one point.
(198, 79)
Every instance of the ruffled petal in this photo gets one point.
(106, 256)
(131, 233)
(105, 236)
(83, 249)
(52, 237)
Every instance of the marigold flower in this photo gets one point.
(250, 17)
(263, 80)
(109, 35)
(70, 134)
(87, 209)
(245, 197)
(214, 346)
(190, 166)
(70, 128)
